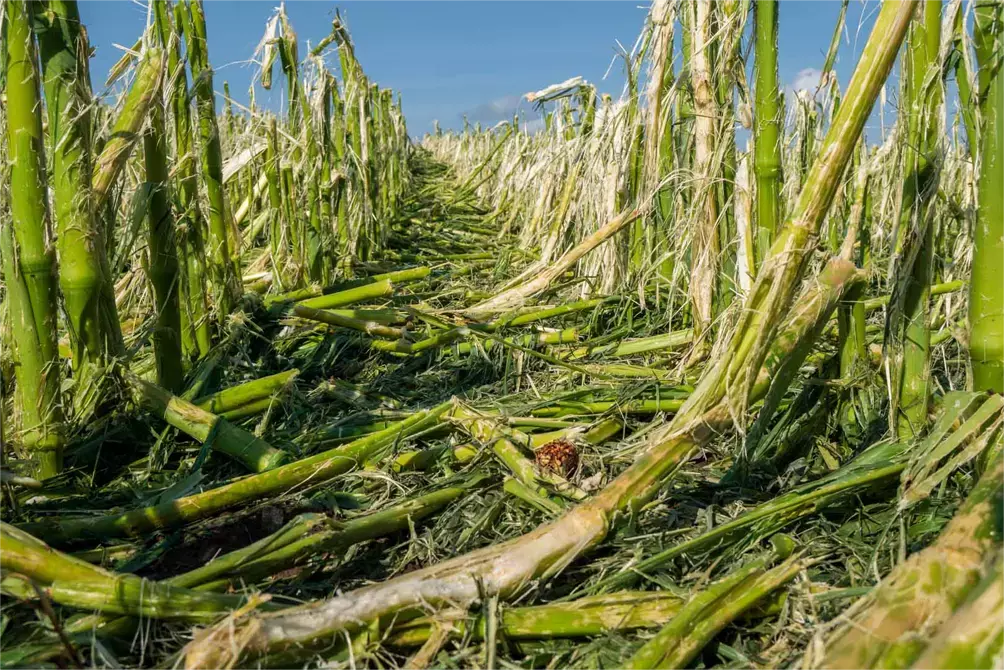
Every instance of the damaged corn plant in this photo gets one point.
(698, 376)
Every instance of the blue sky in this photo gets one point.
(452, 58)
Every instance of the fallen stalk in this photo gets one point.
(715, 607)
(517, 295)
(283, 479)
(537, 555)
(251, 451)
(236, 396)
(585, 617)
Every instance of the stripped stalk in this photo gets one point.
(163, 258)
(908, 332)
(92, 318)
(706, 245)
(196, 326)
(516, 296)
(226, 287)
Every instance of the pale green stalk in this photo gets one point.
(196, 326)
(92, 319)
(908, 332)
(163, 256)
(226, 287)
(986, 291)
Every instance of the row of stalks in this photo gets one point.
(164, 205)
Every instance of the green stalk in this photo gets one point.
(440, 339)
(252, 408)
(659, 131)
(727, 17)
(125, 134)
(29, 262)
(339, 125)
(986, 292)
(666, 342)
(963, 78)
(134, 596)
(25, 554)
(534, 498)
(75, 583)
(331, 318)
(328, 184)
(614, 370)
(313, 470)
(242, 394)
(313, 291)
(240, 445)
(196, 326)
(276, 212)
(228, 111)
(937, 289)
(767, 127)
(163, 257)
(226, 286)
(370, 291)
(585, 617)
(637, 406)
(92, 319)
(294, 231)
(908, 333)
(713, 608)
(974, 636)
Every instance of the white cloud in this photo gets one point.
(500, 109)
(806, 80)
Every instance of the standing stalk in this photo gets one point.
(225, 285)
(659, 127)
(706, 244)
(91, 316)
(29, 261)
(766, 129)
(986, 292)
(908, 333)
(163, 258)
(778, 278)
(196, 327)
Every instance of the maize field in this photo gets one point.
(697, 376)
